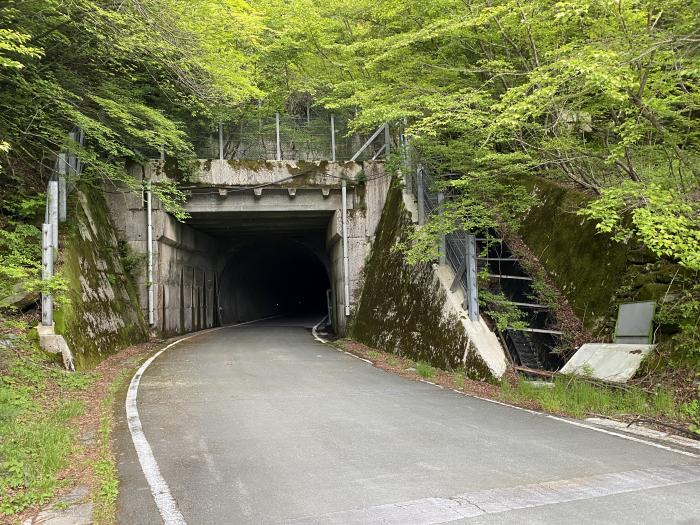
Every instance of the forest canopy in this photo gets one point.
(599, 94)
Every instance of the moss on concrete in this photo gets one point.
(247, 165)
(587, 266)
(401, 309)
(594, 273)
(103, 312)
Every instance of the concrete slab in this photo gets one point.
(607, 361)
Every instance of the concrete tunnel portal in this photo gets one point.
(261, 238)
(268, 264)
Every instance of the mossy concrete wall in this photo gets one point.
(593, 272)
(402, 307)
(102, 314)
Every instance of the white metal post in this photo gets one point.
(333, 137)
(277, 136)
(78, 163)
(53, 212)
(221, 142)
(63, 164)
(346, 259)
(472, 283)
(406, 161)
(421, 196)
(73, 158)
(443, 243)
(46, 273)
(149, 240)
(387, 139)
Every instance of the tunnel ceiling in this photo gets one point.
(239, 224)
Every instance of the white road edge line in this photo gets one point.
(322, 340)
(167, 506)
(315, 333)
(589, 427)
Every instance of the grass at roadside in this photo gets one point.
(580, 397)
(55, 427)
(36, 409)
(424, 370)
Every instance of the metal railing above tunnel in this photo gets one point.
(322, 137)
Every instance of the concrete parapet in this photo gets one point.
(284, 172)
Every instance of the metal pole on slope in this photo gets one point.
(221, 142)
(53, 212)
(46, 273)
(277, 136)
(346, 259)
(387, 139)
(472, 299)
(443, 241)
(63, 168)
(420, 195)
(332, 137)
(149, 240)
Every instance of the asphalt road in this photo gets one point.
(263, 424)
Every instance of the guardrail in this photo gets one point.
(67, 165)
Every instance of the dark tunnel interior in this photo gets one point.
(273, 276)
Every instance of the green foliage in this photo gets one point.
(664, 219)
(131, 261)
(129, 74)
(682, 310)
(600, 94)
(425, 370)
(20, 256)
(501, 310)
(691, 412)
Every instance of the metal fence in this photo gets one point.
(284, 137)
(458, 248)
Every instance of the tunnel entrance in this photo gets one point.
(269, 263)
(269, 277)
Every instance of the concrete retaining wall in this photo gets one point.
(408, 309)
(102, 314)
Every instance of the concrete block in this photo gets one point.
(607, 361)
(54, 343)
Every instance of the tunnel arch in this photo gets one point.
(269, 276)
